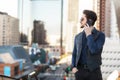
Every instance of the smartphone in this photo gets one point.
(89, 22)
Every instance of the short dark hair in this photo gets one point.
(90, 15)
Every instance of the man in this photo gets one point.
(88, 45)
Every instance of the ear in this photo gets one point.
(90, 22)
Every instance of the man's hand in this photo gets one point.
(88, 30)
(74, 70)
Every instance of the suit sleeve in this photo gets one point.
(95, 46)
(74, 54)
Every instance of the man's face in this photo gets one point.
(83, 20)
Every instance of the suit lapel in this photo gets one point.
(79, 46)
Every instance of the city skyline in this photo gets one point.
(51, 15)
(50, 21)
(53, 7)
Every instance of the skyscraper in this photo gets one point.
(108, 18)
(9, 29)
(39, 33)
(102, 15)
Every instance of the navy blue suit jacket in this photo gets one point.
(95, 43)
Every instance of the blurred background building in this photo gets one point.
(39, 33)
(9, 30)
(72, 20)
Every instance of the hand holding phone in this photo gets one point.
(88, 29)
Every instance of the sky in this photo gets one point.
(9, 6)
(49, 11)
(83, 5)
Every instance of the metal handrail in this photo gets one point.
(4, 76)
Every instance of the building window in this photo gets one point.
(3, 31)
(3, 43)
(57, 50)
(3, 26)
(53, 50)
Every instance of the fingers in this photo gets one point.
(74, 70)
(87, 31)
(87, 25)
